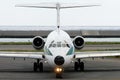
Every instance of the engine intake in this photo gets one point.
(78, 42)
(38, 42)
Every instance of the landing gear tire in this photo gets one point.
(35, 66)
(38, 65)
(41, 67)
(76, 66)
(81, 66)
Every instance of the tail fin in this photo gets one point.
(56, 6)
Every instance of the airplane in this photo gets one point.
(59, 48)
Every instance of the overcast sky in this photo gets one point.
(108, 14)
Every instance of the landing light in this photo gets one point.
(58, 69)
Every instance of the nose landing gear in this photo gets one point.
(59, 60)
(58, 70)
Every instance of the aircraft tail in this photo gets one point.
(56, 6)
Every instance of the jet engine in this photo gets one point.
(38, 42)
(78, 42)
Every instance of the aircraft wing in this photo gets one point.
(33, 55)
(96, 54)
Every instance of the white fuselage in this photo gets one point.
(59, 43)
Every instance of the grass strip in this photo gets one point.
(101, 43)
(15, 43)
(30, 43)
(22, 50)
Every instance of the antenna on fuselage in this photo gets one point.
(56, 6)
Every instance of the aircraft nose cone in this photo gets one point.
(59, 60)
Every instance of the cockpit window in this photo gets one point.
(68, 45)
(59, 44)
(63, 45)
(50, 45)
(53, 45)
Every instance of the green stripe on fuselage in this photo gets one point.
(70, 52)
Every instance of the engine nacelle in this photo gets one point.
(38, 42)
(78, 42)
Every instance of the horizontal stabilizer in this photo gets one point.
(40, 5)
(54, 5)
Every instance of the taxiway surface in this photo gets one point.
(97, 69)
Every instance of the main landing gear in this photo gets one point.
(79, 65)
(38, 66)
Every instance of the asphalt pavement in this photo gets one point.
(97, 69)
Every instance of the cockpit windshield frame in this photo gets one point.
(58, 44)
